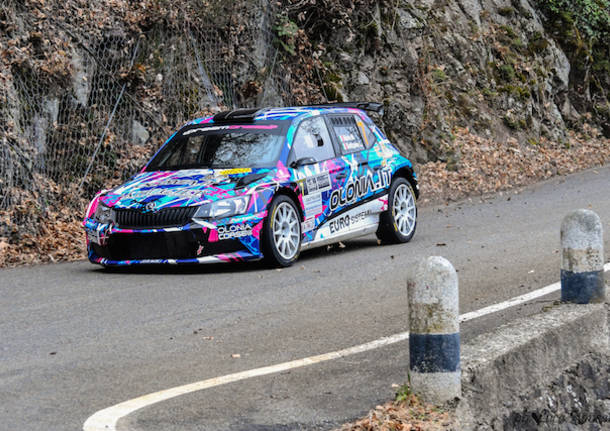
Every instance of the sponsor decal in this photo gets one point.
(357, 218)
(339, 223)
(232, 127)
(350, 142)
(234, 231)
(235, 171)
(358, 188)
(254, 127)
(172, 187)
(308, 225)
(352, 220)
(139, 195)
(204, 129)
(347, 220)
(312, 204)
(94, 236)
(316, 184)
(178, 182)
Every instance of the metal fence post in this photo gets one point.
(582, 258)
(434, 331)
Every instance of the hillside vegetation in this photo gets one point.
(483, 95)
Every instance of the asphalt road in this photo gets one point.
(75, 339)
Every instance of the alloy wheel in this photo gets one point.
(404, 209)
(286, 230)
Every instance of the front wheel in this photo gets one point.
(398, 223)
(282, 232)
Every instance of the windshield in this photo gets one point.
(224, 146)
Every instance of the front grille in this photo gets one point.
(126, 218)
(188, 244)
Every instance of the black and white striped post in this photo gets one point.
(434, 331)
(582, 258)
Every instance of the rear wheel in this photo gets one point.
(282, 232)
(398, 223)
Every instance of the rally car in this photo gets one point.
(258, 183)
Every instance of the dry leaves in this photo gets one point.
(409, 415)
(487, 166)
(31, 234)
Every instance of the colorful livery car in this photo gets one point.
(252, 184)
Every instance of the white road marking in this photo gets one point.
(107, 419)
(511, 302)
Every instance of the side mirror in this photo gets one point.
(302, 162)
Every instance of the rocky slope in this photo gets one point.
(500, 68)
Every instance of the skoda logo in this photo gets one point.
(151, 206)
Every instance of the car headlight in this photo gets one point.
(223, 208)
(104, 214)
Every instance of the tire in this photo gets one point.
(397, 224)
(281, 236)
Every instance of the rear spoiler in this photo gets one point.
(367, 106)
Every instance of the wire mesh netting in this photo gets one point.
(93, 118)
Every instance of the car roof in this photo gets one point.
(295, 112)
(285, 113)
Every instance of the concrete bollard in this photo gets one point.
(582, 258)
(434, 331)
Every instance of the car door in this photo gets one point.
(368, 178)
(351, 148)
(373, 158)
(313, 158)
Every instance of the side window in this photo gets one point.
(366, 133)
(349, 137)
(312, 140)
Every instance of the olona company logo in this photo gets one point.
(354, 190)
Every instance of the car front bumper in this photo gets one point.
(234, 240)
